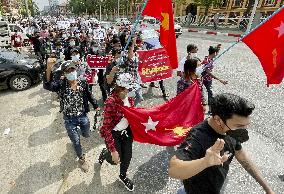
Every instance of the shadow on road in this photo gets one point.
(43, 174)
(152, 176)
(53, 132)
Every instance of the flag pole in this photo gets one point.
(235, 43)
(133, 29)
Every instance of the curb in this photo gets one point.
(215, 33)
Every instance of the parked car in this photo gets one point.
(7, 30)
(151, 22)
(17, 71)
(105, 25)
(21, 32)
(122, 21)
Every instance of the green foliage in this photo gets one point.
(92, 6)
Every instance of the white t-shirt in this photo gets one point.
(181, 64)
(123, 123)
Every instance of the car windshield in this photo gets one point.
(146, 34)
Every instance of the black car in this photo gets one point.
(18, 71)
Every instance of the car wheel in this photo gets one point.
(20, 82)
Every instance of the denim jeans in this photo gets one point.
(181, 190)
(208, 86)
(72, 125)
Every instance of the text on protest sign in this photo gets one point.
(98, 62)
(154, 65)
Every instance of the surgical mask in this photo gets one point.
(76, 58)
(77, 35)
(71, 76)
(95, 49)
(72, 43)
(64, 35)
(193, 55)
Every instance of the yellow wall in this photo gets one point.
(180, 9)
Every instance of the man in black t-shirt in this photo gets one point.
(202, 160)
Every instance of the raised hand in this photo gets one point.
(213, 156)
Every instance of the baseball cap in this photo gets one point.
(67, 65)
(75, 50)
(125, 80)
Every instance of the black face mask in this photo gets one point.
(241, 135)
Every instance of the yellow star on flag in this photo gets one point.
(274, 53)
(180, 131)
(166, 21)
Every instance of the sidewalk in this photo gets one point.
(220, 31)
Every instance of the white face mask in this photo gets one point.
(72, 43)
(76, 58)
(71, 76)
(193, 55)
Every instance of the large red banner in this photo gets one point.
(154, 65)
(98, 62)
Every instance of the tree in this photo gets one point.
(208, 3)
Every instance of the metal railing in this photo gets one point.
(208, 21)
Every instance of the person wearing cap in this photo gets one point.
(74, 104)
(116, 130)
(71, 45)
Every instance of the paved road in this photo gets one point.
(37, 156)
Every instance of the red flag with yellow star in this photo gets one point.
(169, 123)
(163, 11)
(267, 42)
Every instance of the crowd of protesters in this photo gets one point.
(198, 161)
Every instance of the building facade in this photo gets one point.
(230, 8)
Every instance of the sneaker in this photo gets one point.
(166, 95)
(102, 156)
(84, 164)
(127, 183)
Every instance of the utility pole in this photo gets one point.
(252, 16)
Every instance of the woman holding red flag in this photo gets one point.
(116, 130)
(190, 77)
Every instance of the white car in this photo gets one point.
(94, 20)
(122, 21)
(151, 22)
